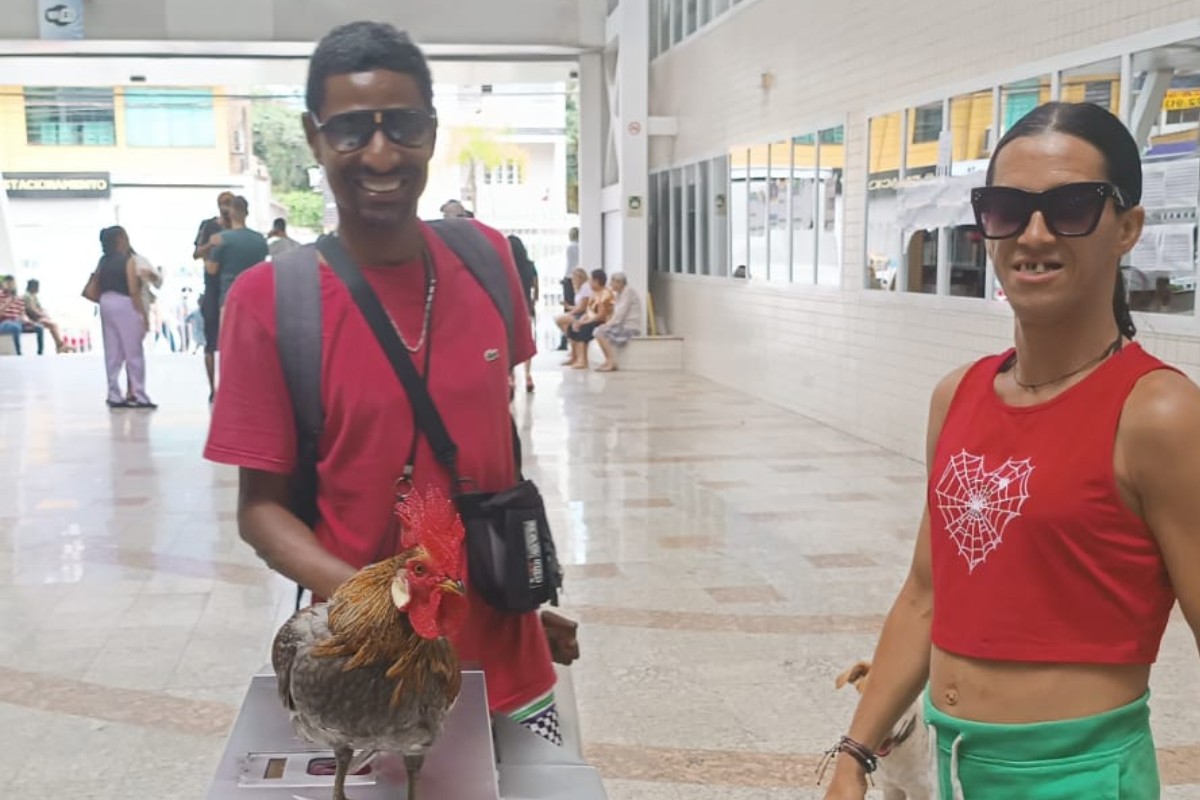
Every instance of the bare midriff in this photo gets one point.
(1007, 692)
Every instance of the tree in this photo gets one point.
(305, 209)
(279, 143)
(480, 148)
(573, 147)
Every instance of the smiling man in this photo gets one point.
(372, 126)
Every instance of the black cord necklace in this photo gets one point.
(1011, 363)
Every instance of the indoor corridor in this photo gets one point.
(726, 559)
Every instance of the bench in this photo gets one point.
(28, 344)
(644, 354)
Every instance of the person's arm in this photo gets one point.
(252, 428)
(135, 286)
(900, 666)
(281, 540)
(212, 255)
(1157, 434)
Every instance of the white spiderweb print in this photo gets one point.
(977, 505)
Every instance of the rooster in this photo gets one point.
(371, 669)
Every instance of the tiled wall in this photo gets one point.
(861, 361)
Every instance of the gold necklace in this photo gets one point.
(1111, 350)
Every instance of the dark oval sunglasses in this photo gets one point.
(407, 127)
(1070, 210)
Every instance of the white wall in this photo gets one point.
(861, 361)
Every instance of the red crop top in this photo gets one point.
(1035, 555)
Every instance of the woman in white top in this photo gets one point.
(624, 324)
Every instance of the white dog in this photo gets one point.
(903, 772)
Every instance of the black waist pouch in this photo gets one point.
(511, 558)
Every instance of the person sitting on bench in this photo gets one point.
(624, 324)
(13, 319)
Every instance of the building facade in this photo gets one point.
(850, 146)
(152, 159)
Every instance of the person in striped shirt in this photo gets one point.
(13, 318)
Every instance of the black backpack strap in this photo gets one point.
(298, 327)
(479, 255)
(298, 339)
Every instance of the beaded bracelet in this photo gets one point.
(865, 756)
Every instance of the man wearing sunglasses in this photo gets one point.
(371, 124)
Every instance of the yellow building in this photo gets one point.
(152, 159)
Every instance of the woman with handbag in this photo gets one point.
(122, 319)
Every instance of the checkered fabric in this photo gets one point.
(541, 717)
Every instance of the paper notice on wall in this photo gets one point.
(1176, 251)
(1182, 179)
(60, 19)
(1154, 186)
(1145, 252)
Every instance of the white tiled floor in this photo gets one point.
(726, 558)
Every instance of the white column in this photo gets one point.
(633, 84)
(591, 158)
(8, 258)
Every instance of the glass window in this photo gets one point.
(703, 210)
(706, 13)
(170, 118)
(927, 123)
(664, 25)
(883, 176)
(676, 20)
(970, 132)
(760, 208)
(691, 222)
(1160, 273)
(1019, 98)
(1098, 83)
(778, 183)
(920, 164)
(830, 208)
(720, 225)
(677, 212)
(664, 222)
(804, 210)
(693, 13)
(968, 261)
(720, 7)
(739, 211)
(67, 116)
(654, 226)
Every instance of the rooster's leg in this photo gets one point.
(343, 756)
(412, 765)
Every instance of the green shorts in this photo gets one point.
(1106, 757)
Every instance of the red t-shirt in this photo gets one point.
(369, 423)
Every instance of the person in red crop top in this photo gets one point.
(371, 124)
(1059, 526)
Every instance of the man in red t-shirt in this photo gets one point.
(372, 126)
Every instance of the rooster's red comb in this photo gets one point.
(429, 519)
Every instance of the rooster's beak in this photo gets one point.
(453, 587)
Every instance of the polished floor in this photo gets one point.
(727, 559)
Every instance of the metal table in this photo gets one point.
(265, 760)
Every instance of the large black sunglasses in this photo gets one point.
(1071, 210)
(407, 127)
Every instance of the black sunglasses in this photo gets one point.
(1070, 210)
(407, 127)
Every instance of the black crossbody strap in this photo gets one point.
(428, 418)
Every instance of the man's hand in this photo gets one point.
(576, 325)
(561, 636)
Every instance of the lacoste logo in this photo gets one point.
(491, 355)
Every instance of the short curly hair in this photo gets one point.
(362, 47)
